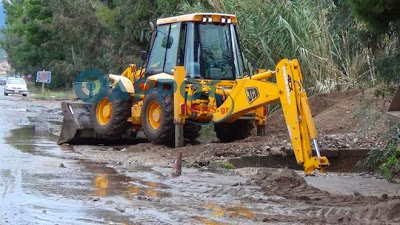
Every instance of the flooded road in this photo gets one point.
(34, 186)
(43, 183)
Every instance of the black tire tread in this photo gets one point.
(119, 120)
(167, 134)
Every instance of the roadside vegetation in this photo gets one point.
(35, 92)
(385, 161)
(338, 44)
(341, 44)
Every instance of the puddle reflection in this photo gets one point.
(208, 221)
(105, 187)
(42, 129)
(101, 183)
(31, 138)
(232, 211)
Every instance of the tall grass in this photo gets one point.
(274, 29)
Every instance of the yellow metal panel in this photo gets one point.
(260, 118)
(261, 76)
(179, 76)
(130, 72)
(284, 79)
(245, 96)
(137, 113)
(197, 17)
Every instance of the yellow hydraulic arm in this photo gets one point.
(252, 92)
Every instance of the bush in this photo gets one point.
(389, 68)
(385, 161)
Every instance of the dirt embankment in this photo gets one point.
(329, 208)
(349, 119)
(342, 119)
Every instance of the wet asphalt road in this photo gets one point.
(34, 189)
(43, 183)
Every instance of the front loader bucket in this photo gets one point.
(77, 127)
(394, 108)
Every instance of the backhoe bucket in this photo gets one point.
(77, 126)
(394, 108)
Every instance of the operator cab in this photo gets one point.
(206, 45)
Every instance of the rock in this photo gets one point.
(275, 151)
(62, 165)
(120, 208)
(277, 179)
(367, 176)
(109, 202)
(385, 196)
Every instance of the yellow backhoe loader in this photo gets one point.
(193, 74)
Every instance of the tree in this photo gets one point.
(378, 14)
(383, 19)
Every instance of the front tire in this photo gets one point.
(110, 115)
(158, 118)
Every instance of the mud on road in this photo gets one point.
(43, 183)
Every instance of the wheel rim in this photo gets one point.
(104, 111)
(154, 115)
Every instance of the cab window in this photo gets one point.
(163, 56)
(172, 51)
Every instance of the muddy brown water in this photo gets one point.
(43, 183)
(341, 160)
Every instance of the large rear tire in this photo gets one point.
(110, 115)
(158, 118)
(238, 130)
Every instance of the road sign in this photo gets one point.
(43, 77)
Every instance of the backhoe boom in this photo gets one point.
(252, 92)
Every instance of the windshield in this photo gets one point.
(16, 81)
(213, 52)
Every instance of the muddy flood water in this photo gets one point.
(43, 183)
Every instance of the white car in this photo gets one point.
(16, 86)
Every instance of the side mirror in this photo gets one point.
(143, 55)
(167, 42)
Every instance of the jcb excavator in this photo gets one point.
(194, 73)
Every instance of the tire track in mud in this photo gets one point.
(324, 207)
